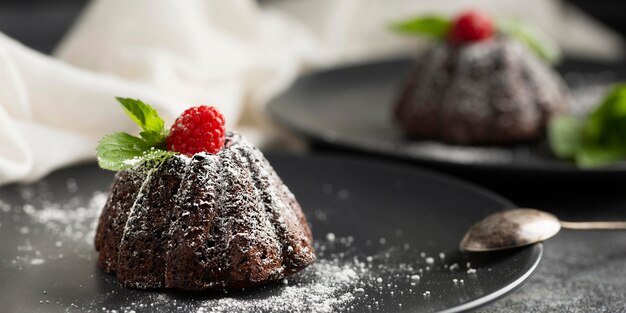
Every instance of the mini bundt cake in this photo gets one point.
(207, 221)
(195, 207)
(489, 90)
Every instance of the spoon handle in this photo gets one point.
(593, 225)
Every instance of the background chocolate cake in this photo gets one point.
(490, 92)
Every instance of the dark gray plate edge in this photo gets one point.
(515, 285)
(561, 167)
(448, 179)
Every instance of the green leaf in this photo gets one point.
(433, 26)
(155, 157)
(154, 139)
(143, 114)
(565, 136)
(599, 156)
(598, 140)
(120, 151)
(542, 45)
(606, 125)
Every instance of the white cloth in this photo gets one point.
(222, 53)
(174, 54)
(356, 30)
(52, 114)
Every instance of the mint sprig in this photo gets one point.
(120, 151)
(597, 140)
(433, 26)
(437, 27)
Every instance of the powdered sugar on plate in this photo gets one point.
(343, 279)
(73, 220)
(325, 287)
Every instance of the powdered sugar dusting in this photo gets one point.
(329, 291)
(343, 279)
(382, 274)
(69, 220)
(72, 221)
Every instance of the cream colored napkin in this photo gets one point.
(230, 53)
(52, 114)
(170, 54)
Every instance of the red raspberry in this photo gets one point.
(471, 26)
(198, 129)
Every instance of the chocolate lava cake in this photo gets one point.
(223, 220)
(489, 92)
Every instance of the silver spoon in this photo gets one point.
(520, 227)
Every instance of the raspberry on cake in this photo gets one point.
(198, 129)
(213, 213)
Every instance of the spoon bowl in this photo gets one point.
(520, 227)
(510, 229)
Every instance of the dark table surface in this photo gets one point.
(581, 271)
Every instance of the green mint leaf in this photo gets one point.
(599, 156)
(154, 139)
(598, 140)
(606, 125)
(120, 151)
(143, 114)
(432, 26)
(565, 135)
(539, 43)
(155, 157)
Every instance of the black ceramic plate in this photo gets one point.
(351, 108)
(376, 228)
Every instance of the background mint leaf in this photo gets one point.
(606, 125)
(543, 46)
(433, 26)
(565, 136)
(598, 140)
(143, 114)
(599, 156)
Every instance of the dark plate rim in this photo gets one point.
(275, 113)
(513, 286)
(537, 249)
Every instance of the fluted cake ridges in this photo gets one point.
(210, 221)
